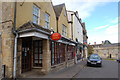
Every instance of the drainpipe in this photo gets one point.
(57, 24)
(15, 56)
(72, 25)
(15, 44)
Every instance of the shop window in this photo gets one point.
(37, 56)
(52, 53)
(57, 53)
(70, 52)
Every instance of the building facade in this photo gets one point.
(107, 49)
(76, 28)
(25, 43)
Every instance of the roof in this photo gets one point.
(107, 45)
(111, 45)
(30, 26)
(58, 9)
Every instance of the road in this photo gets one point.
(109, 69)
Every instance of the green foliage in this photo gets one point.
(90, 50)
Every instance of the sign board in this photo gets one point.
(55, 36)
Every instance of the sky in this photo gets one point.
(100, 17)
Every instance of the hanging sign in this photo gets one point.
(55, 36)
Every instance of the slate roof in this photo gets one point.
(58, 9)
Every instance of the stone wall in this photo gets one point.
(7, 38)
(105, 52)
(46, 57)
(58, 67)
(19, 56)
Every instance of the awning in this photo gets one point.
(30, 29)
(33, 34)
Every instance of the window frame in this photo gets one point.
(64, 30)
(47, 20)
(58, 49)
(37, 15)
(39, 47)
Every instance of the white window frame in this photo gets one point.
(36, 14)
(47, 21)
(64, 30)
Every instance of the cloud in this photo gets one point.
(84, 8)
(110, 33)
(86, 0)
(112, 30)
(115, 20)
(101, 27)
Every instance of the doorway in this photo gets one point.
(26, 54)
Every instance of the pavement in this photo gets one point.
(69, 72)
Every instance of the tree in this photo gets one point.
(90, 50)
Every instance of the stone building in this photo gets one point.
(107, 49)
(25, 43)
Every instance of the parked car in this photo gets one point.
(93, 60)
(118, 60)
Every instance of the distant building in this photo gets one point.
(107, 49)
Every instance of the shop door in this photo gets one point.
(26, 54)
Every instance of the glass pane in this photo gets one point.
(46, 17)
(36, 50)
(35, 19)
(40, 56)
(35, 61)
(35, 10)
(36, 56)
(40, 61)
(52, 60)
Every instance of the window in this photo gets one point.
(52, 53)
(71, 50)
(47, 20)
(36, 14)
(57, 53)
(37, 56)
(64, 30)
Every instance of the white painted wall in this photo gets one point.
(78, 30)
(77, 27)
